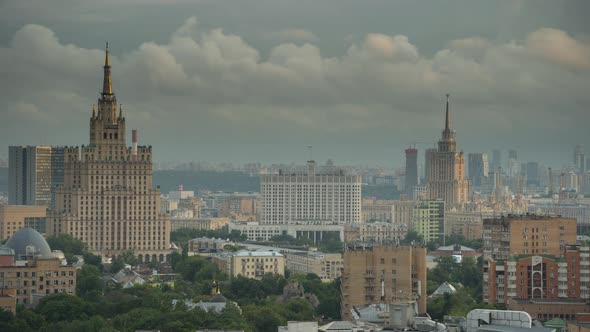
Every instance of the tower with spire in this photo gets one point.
(106, 128)
(446, 169)
(107, 199)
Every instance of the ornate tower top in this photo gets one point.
(107, 84)
(447, 142)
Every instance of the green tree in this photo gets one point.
(88, 282)
(67, 244)
(117, 265)
(263, 319)
(92, 259)
(63, 307)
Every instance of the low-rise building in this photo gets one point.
(250, 264)
(327, 266)
(469, 225)
(377, 210)
(382, 232)
(28, 265)
(205, 244)
(192, 223)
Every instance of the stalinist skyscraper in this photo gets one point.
(446, 169)
(107, 199)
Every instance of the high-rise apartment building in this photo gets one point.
(478, 168)
(382, 274)
(496, 160)
(318, 198)
(580, 158)
(33, 174)
(532, 174)
(107, 199)
(446, 169)
(411, 179)
(509, 239)
(429, 220)
(512, 154)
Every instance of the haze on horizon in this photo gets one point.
(260, 80)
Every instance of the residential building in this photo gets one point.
(469, 225)
(201, 223)
(208, 244)
(580, 158)
(327, 266)
(16, 217)
(8, 298)
(429, 220)
(382, 232)
(377, 210)
(313, 197)
(377, 274)
(33, 174)
(403, 212)
(510, 243)
(446, 170)
(107, 199)
(496, 160)
(532, 174)
(411, 179)
(581, 212)
(28, 265)
(250, 264)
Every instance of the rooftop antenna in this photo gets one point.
(310, 149)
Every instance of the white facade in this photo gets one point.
(332, 198)
(260, 232)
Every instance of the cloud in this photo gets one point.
(295, 35)
(211, 81)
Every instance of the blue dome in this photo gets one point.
(31, 239)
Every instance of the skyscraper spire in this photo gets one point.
(107, 84)
(447, 119)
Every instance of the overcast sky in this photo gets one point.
(260, 80)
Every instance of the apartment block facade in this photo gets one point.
(526, 256)
(429, 220)
(381, 274)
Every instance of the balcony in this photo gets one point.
(564, 279)
(587, 279)
(584, 254)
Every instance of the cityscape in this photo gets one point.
(222, 184)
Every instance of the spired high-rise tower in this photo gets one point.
(446, 169)
(107, 199)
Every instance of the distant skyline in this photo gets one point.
(260, 80)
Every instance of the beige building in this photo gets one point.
(403, 212)
(429, 220)
(381, 232)
(108, 200)
(250, 264)
(208, 224)
(208, 244)
(466, 224)
(28, 266)
(378, 210)
(446, 169)
(8, 300)
(15, 217)
(394, 271)
(327, 266)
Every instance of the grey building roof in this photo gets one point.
(28, 238)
